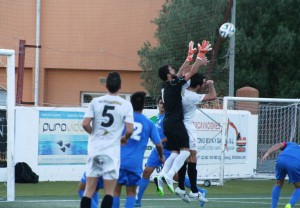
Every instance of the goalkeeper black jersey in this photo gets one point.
(171, 94)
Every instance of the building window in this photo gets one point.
(87, 97)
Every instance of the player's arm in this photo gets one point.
(128, 132)
(86, 124)
(159, 149)
(164, 139)
(211, 95)
(201, 59)
(185, 67)
(274, 148)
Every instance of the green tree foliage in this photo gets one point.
(267, 47)
(266, 50)
(179, 22)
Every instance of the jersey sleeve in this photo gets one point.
(90, 110)
(129, 114)
(154, 136)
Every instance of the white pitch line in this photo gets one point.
(154, 199)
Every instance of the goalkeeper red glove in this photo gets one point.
(191, 52)
(203, 49)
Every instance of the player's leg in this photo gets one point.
(152, 162)
(180, 190)
(95, 197)
(116, 198)
(280, 173)
(109, 187)
(296, 194)
(131, 186)
(294, 177)
(91, 184)
(130, 198)
(122, 180)
(168, 164)
(192, 173)
(143, 184)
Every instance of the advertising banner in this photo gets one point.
(62, 140)
(3, 138)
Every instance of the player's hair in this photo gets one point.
(158, 99)
(197, 79)
(163, 72)
(113, 82)
(137, 100)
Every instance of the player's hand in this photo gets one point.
(191, 52)
(264, 158)
(209, 82)
(124, 140)
(162, 159)
(203, 48)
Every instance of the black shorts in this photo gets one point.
(176, 134)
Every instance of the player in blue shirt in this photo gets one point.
(287, 163)
(132, 153)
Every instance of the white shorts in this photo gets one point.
(192, 135)
(103, 165)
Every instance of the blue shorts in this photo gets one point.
(129, 178)
(288, 167)
(99, 184)
(153, 159)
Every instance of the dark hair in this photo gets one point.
(158, 99)
(196, 79)
(137, 100)
(163, 72)
(113, 82)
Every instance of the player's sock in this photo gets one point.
(107, 201)
(144, 182)
(178, 162)
(295, 197)
(192, 173)
(85, 202)
(168, 164)
(116, 202)
(130, 200)
(275, 195)
(181, 176)
(95, 200)
(187, 184)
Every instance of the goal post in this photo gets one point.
(277, 120)
(10, 111)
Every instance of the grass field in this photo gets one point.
(234, 193)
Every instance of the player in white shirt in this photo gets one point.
(105, 120)
(190, 100)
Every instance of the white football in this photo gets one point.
(227, 30)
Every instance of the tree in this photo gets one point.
(267, 47)
(179, 22)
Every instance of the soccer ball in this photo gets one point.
(227, 30)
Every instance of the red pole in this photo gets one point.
(21, 63)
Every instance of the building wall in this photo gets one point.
(85, 39)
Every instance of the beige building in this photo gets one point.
(81, 41)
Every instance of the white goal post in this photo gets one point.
(277, 120)
(10, 109)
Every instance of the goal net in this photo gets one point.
(7, 119)
(277, 121)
